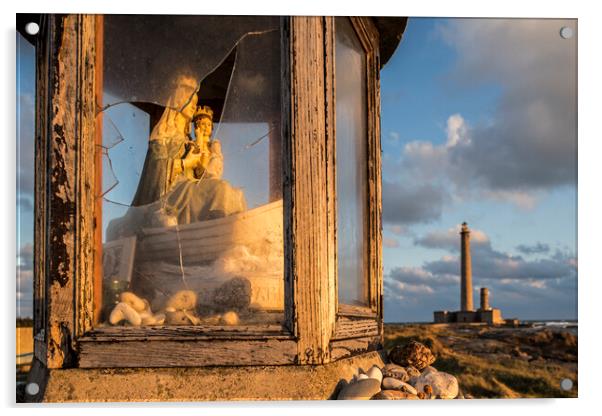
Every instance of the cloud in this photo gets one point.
(531, 143)
(24, 282)
(25, 203)
(519, 287)
(394, 136)
(538, 248)
(528, 146)
(488, 263)
(420, 276)
(390, 242)
(25, 145)
(450, 239)
(407, 204)
(398, 229)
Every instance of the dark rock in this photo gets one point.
(233, 294)
(413, 354)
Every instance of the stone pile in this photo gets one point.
(408, 376)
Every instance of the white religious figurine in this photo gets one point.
(205, 156)
(181, 181)
(168, 143)
(200, 193)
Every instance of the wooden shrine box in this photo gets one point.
(321, 338)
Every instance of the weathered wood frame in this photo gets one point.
(315, 331)
(361, 327)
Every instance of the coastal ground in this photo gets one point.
(498, 362)
(489, 362)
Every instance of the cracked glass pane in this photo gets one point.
(109, 179)
(142, 52)
(192, 190)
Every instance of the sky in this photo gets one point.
(25, 175)
(478, 124)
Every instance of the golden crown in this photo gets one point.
(203, 111)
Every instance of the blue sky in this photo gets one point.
(478, 125)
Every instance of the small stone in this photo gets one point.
(230, 318)
(394, 395)
(427, 389)
(375, 373)
(412, 371)
(428, 370)
(421, 395)
(442, 384)
(390, 383)
(395, 371)
(360, 390)
(124, 312)
(137, 303)
(414, 353)
(413, 375)
(182, 300)
(181, 318)
(409, 389)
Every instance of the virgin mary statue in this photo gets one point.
(178, 186)
(168, 143)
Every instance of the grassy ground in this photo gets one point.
(24, 338)
(498, 362)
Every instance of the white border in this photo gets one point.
(589, 188)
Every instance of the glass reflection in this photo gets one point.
(351, 164)
(192, 225)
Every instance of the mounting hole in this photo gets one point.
(32, 389)
(32, 28)
(566, 384)
(566, 32)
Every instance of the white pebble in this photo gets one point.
(375, 373)
(124, 311)
(230, 318)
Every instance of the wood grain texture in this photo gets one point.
(186, 353)
(43, 48)
(121, 333)
(98, 91)
(86, 262)
(354, 346)
(355, 328)
(309, 243)
(60, 165)
(330, 117)
(64, 149)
